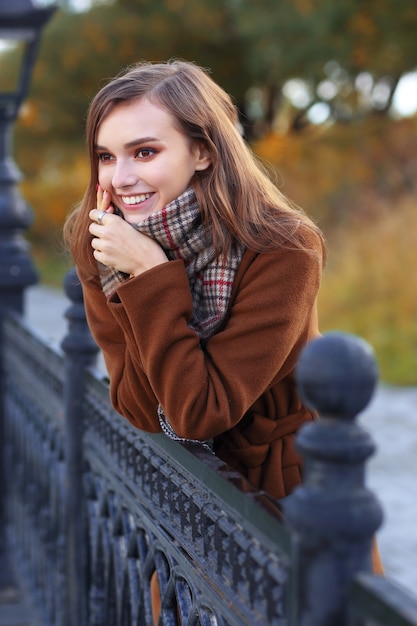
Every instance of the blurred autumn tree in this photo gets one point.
(349, 54)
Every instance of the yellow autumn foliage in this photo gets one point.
(359, 182)
(51, 196)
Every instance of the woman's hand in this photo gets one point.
(117, 244)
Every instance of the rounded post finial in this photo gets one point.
(72, 286)
(337, 374)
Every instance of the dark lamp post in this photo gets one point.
(21, 22)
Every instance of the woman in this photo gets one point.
(200, 279)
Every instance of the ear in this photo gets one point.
(203, 158)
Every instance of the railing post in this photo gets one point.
(80, 352)
(17, 270)
(333, 515)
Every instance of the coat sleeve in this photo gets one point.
(122, 364)
(153, 356)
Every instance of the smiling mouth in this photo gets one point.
(130, 200)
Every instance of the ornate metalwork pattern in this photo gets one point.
(148, 512)
(35, 472)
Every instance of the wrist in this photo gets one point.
(140, 270)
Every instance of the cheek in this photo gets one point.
(104, 179)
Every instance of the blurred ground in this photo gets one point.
(391, 418)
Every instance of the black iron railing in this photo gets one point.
(93, 507)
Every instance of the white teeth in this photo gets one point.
(136, 199)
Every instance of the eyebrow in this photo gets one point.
(133, 143)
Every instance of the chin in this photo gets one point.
(131, 219)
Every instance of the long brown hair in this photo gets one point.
(237, 198)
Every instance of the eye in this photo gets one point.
(145, 153)
(104, 156)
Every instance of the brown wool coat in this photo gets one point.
(239, 387)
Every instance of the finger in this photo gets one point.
(98, 255)
(110, 208)
(96, 243)
(95, 230)
(94, 214)
(97, 215)
(101, 257)
(105, 202)
(99, 195)
(103, 199)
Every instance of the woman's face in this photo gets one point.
(145, 162)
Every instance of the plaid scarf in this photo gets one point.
(180, 231)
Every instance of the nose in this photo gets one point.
(124, 175)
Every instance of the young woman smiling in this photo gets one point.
(200, 279)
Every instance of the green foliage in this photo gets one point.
(297, 37)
